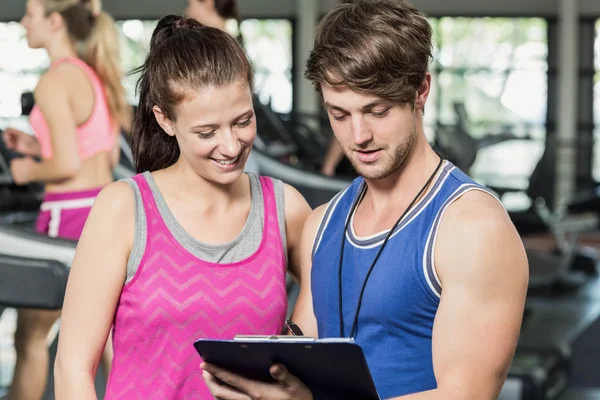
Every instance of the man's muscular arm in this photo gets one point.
(483, 269)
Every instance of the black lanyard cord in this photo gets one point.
(391, 231)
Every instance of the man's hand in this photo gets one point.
(225, 385)
(22, 169)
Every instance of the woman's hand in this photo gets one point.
(21, 170)
(21, 142)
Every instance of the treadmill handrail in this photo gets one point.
(295, 176)
(122, 172)
(27, 282)
(19, 242)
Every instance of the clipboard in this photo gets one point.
(331, 368)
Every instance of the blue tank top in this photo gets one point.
(402, 295)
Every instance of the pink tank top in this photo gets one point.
(96, 135)
(176, 298)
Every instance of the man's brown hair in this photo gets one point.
(380, 47)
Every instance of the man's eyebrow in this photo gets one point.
(373, 104)
(365, 108)
(330, 106)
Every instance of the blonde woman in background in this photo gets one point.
(80, 108)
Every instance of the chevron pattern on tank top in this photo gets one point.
(175, 298)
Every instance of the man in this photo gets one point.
(438, 310)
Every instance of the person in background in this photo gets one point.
(214, 13)
(79, 108)
(333, 156)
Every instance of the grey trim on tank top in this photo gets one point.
(240, 248)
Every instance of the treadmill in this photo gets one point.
(316, 188)
(570, 264)
(19, 206)
(28, 282)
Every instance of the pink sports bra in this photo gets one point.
(95, 135)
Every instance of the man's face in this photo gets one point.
(376, 134)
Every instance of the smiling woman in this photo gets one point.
(225, 127)
(189, 248)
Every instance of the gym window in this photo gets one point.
(18, 73)
(134, 36)
(596, 154)
(268, 43)
(489, 77)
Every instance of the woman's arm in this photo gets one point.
(52, 97)
(95, 282)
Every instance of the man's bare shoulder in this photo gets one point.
(477, 207)
(475, 232)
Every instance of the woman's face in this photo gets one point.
(37, 24)
(215, 129)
